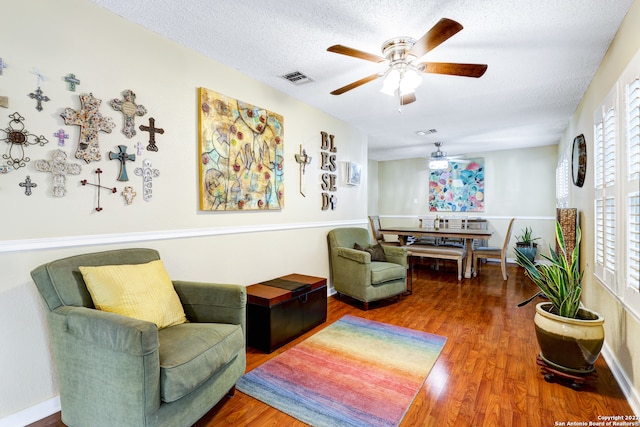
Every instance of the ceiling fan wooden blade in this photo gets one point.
(355, 84)
(344, 50)
(407, 99)
(440, 32)
(465, 70)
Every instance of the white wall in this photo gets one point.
(622, 329)
(518, 183)
(109, 55)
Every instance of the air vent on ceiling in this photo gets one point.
(425, 132)
(297, 78)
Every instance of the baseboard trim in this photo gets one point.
(623, 381)
(32, 414)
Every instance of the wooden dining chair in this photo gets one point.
(374, 220)
(485, 252)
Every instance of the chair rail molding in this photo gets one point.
(101, 239)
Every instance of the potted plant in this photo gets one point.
(526, 244)
(570, 336)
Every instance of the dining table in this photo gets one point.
(452, 233)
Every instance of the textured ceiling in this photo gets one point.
(541, 55)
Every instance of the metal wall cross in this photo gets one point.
(147, 173)
(123, 157)
(152, 129)
(39, 96)
(28, 185)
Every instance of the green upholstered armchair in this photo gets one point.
(119, 371)
(354, 274)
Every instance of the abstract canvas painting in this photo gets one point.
(241, 155)
(459, 188)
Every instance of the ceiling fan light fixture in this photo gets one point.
(391, 82)
(409, 81)
(438, 164)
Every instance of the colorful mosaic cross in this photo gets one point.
(73, 81)
(129, 109)
(91, 121)
(61, 135)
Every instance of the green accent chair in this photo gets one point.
(118, 371)
(354, 274)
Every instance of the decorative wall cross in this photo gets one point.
(28, 185)
(99, 186)
(147, 173)
(128, 194)
(91, 122)
(59, 168)
(4, 101)
(61, 135)
(39, 96)
(303, 159)
(18, 138)
(139, 147)
(123, 157)
(152, 129)
(2, 66)
(73, 81)
(129, 110)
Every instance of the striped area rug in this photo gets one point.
(355, 372)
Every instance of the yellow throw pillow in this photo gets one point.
(141, 291)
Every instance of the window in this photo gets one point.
(616, 165)
(605, 170)
(562, 182)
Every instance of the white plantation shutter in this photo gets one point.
(610, 234)
(598, 154)
(599, 233)
(633, 242)
(632, 188)
(632, 101)
(610, 148)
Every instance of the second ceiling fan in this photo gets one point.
(403, 74)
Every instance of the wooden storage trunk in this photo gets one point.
(282, 309)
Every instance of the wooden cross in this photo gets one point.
(128, 194)
(39, 96)
(123, 157)
(73, 81)
(59, 169)
(152, 129)
(147, 173)
(130, 110)
(91, 122)
(2, 66)
(28, 185)
(61, 135)
(99, 186)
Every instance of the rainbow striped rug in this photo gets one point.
(355, 372)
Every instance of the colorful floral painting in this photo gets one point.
(241, 155)
(459, 188)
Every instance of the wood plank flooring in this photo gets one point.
(486, 374)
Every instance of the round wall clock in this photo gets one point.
(579, 160)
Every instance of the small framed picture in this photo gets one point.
(354, 170)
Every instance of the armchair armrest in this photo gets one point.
(353, 255)
(396, 254)
(213, 302)
(110, 331)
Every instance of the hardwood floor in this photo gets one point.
(486, 374)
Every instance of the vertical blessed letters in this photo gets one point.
(329, 177)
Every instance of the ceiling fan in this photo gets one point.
(402, 76)
(439, 159)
